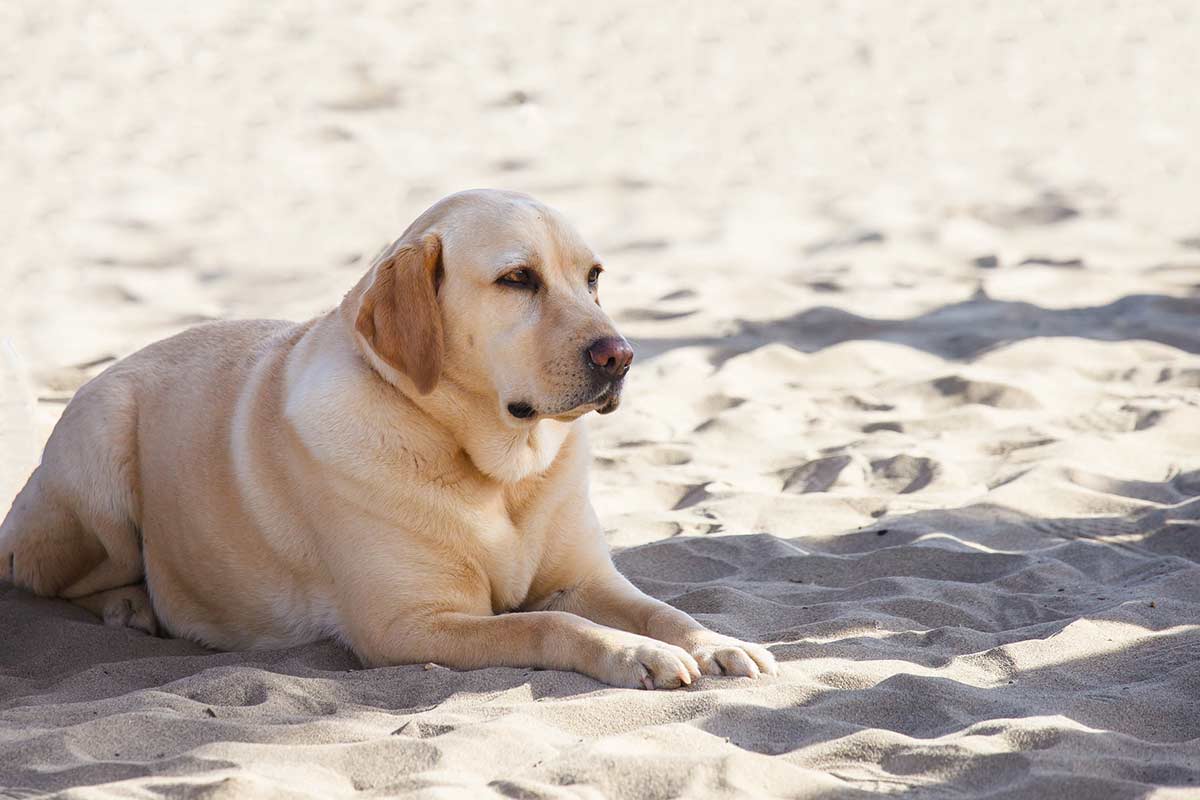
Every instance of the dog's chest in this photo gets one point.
(523, 528)
(510, 557)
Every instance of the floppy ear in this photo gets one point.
(399, 315)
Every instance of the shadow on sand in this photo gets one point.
(960, 331)
(1134, 708)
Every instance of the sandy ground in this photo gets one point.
(916, 293)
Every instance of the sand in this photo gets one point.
(915, 289)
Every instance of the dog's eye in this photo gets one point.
(517, 277)
(594, 277)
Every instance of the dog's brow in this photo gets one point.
(517, 258)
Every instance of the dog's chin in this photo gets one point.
(610, 403)
(605, 405)
(605, 402)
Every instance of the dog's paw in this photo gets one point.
(129, 613)
(126, 607)
(721, 655)
(641, 662)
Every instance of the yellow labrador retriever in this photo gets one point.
(399, 474)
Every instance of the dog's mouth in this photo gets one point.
(608, 402)
(605, 401)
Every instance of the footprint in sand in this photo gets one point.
(1108, 419)
(904, 474)
(815, 476)
(667, 456)
(423, 730)
(1049, 209)
(692, 495)
(965, 391)
(714, 404)
(1185, 377)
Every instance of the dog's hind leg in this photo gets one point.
(43, 546)
(72, 529)
(47, 548)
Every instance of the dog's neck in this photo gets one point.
(503, 452)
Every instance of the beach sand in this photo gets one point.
(915, 291)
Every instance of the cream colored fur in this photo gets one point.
(359, 476)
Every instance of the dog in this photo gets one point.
(407, 474)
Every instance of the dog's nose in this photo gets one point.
(611, 355)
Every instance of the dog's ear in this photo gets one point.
(398, 315)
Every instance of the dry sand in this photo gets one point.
(916, 292)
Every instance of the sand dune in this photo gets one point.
(915, 290)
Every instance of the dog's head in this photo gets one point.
(495, 295)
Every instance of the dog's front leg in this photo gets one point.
(546, 639)
(608, 598)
